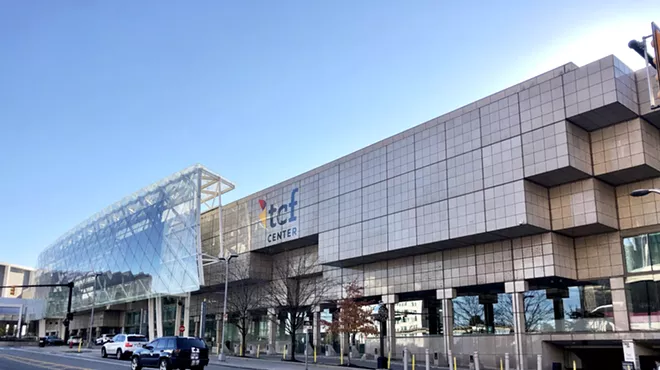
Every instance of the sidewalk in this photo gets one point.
(274, 362)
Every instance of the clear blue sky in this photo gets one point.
(101, 98)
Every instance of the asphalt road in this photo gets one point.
(34, 359)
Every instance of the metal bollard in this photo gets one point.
(449, 359)
(506, 361)
(428, 359)
(539, 362)
(405, 358)
(476, 360)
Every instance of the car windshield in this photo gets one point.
(137, 339)
(187, 343)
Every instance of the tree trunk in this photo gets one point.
(293, 345)
(243, 336)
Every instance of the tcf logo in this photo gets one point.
(281, 215)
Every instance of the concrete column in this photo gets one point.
(17, 334)
(42, 327)
(558, 306)
(391, 300)
(177, 319)
(186, 315)
(159, 316)
(150, 319)
(517, 289)
(619, 304)
(446, 296)
(316, 326)
(272, 331)
(218, 331)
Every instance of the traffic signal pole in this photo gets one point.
(69, 314)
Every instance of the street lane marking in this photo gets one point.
(81, 357)
(43, 364)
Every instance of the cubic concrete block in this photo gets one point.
(600, 94)
(543, 255)
(652, 116)
(638, 211)
(430, 145)
(494, 262)
(428, 271)
(542, 104)
(556, 154)
(502, 162)
(433, 223)
(599, 256)
(460, 267)
(400, 275)
(517, 208)
(463, 133)
(467, 215)
(583, 207)
(500, 120)
(625, 152)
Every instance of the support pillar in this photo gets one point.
(177, 318)
(272, 331)
(150, 319)
(159, 316)
(558, 307)
(391, 300)
(445, 296)
(517, 290)
(619, 304)
(316, 326)
(218, 331)
(186, 315)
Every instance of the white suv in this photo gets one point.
(123, 345)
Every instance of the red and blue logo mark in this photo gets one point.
(279, 216)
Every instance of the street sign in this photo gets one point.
(182, 329)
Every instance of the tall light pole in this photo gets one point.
(221, 356)
(91, 316)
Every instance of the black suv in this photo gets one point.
(172, 353)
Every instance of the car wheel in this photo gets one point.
(104, 354)
(119, 354)
(135, 363)
(164, 365)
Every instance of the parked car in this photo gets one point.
(75, 340)
(172, 353)
(103, 339)
(123, 345)
(51, 340)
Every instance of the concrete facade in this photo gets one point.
(523, 191)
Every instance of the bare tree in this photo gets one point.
(244, 297)
(298, 285)
(538, 310)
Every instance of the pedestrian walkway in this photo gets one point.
(323, 362)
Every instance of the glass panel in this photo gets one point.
(637, 254)
(141, 247)
(585, 308)
(485, 314)
(643, 303)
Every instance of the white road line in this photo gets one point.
(76, 356)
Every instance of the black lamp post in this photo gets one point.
(380, 314)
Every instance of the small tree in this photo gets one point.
(298, 284)
(352, 317)
(243, 298)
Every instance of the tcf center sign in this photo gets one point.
(280, 220)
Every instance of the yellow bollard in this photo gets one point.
(315, 354)
(413, 361)
(240, 350)
(389, 356)
(258, 347)
(574, 368)
(454, 362)
(79, 346)
(284, 353)
(501, 365)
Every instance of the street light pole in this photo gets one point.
(221, 356)
(91, 316)
(644, 192)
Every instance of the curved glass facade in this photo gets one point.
(145, 245)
